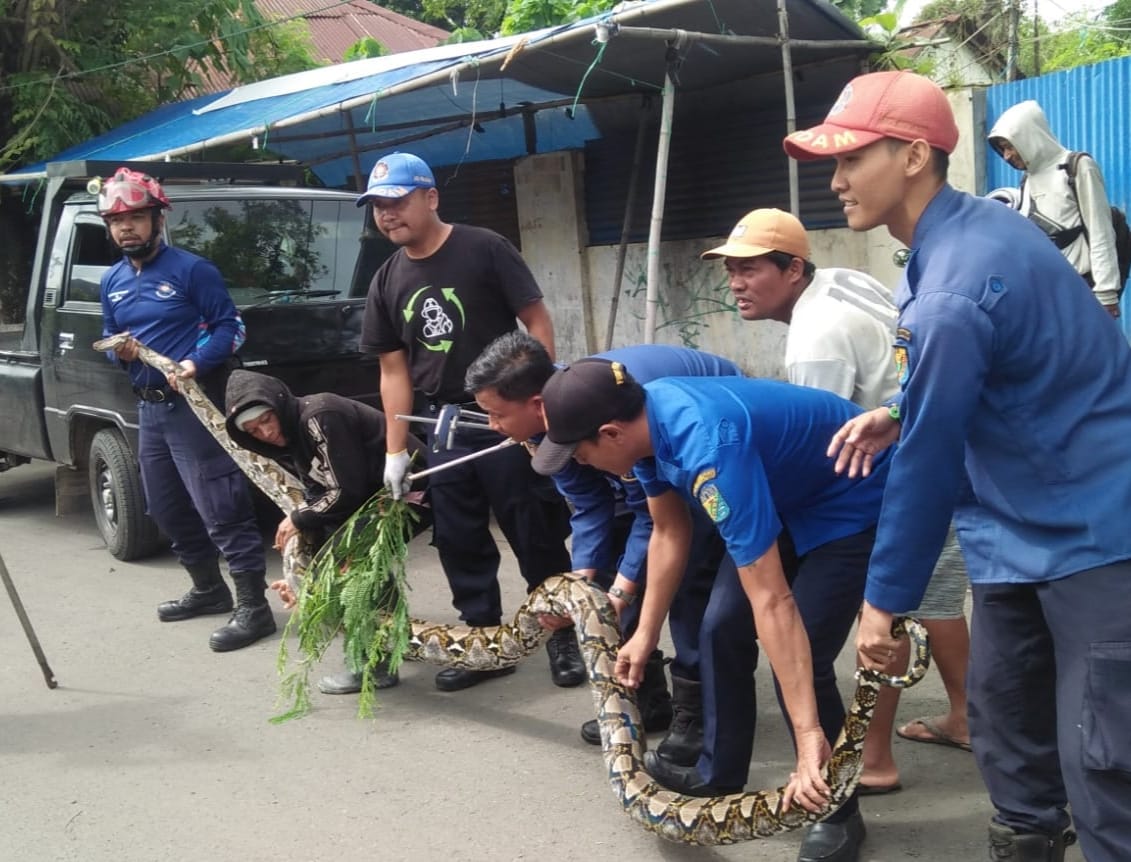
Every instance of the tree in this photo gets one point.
(1074, 41)
(72, 69)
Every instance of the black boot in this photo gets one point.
(209, 595)
(684, 742)
(652, 698)
(253, 618)
(682, 779)
(566, 667)
(1009, 846)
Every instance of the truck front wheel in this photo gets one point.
(117, 498)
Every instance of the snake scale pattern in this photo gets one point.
(685, 819)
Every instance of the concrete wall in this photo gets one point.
(696, 308)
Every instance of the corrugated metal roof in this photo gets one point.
(334, 27)
(503, 98)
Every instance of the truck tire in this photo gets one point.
(117, 498)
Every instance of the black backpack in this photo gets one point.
(1119, 224)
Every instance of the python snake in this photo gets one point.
(685, 819)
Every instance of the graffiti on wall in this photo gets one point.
(687, 302)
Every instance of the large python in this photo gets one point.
(686, 819)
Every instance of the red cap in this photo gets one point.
(900, 105)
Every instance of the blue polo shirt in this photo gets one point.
(597, 497)
(751, 453)
(177, 305)
(1013, 373)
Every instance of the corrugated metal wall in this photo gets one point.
(720, 167)
(1089, 108)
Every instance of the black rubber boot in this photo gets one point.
(1009, 846)
(209, 595)
(652, 697)
(253, 618)
(684, 742)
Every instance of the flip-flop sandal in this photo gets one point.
(877, 789)
(936, 737)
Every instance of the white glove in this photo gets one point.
(396, 472)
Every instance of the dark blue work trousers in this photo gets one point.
(527, 507)
(194, 492)
(690, 602)
(1049, 688)
(828, 587)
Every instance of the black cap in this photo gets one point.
(577, 401)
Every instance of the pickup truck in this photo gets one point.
(297, 261)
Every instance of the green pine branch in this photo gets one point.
(356, 586)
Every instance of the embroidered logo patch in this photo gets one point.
(713, 503)
(705, 476)
(901, 364)
(165, 291)
(903, 334)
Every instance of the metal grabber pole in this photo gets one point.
(48, 675)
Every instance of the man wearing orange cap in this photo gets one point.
(841, 327)
(1013, 374)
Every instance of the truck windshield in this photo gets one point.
(275, 251)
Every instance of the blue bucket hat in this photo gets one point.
(397, 175)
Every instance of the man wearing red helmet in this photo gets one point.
(177, 304)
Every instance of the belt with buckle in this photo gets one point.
(153, 396)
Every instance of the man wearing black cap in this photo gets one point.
(443, 296)
(751, 454)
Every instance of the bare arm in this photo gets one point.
(396, 397)
(782, 635)
(536, 318)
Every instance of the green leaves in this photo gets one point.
(355, 586)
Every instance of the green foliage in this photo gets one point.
(1079, 44)
(522, 16)
(1073, 41)
(365, 48)
(858, 9)
(463, 34)
(73, 69)
(356, 586)
(883, 29)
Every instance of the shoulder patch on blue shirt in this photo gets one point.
(903, 333)
(705, 476)
(711, 499)
(901, 364)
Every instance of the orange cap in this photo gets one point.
(761, 232)
(900, 105)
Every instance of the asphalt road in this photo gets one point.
(155, 748)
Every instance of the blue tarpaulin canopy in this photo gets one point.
(495, 99)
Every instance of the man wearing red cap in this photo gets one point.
(1013, 374)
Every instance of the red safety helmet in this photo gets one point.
(127, 191)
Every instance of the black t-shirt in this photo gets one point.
(445, 309)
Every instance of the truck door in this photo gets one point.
(77, 379)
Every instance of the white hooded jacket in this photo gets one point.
(1047, 193)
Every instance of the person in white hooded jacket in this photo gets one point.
(1080, 223)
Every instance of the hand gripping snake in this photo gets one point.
(685, 819)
